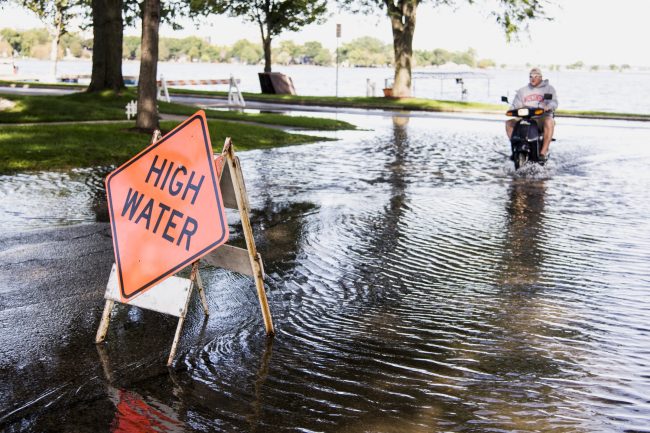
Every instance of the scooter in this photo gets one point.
(527, 137)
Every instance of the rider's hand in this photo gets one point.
(547, 107)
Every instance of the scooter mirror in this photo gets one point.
(504, 99)
(548, 96)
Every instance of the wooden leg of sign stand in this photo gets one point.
(177, 337)
(242, 204)
(199, 285)
(196, 281)
(103, 324)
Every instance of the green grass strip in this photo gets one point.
(88, 145)
(37, 85)
(301, 122)
(111, 106)
(410, 104)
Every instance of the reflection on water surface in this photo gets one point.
(416, 282)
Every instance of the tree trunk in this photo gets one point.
(56, 33)
(267, 53)
(147, 89)
(266, 44)
(402, 18)
(107, 46)
(54, 52)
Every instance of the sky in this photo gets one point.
(596, 32)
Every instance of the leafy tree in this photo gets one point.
(287, 53)
(577, 65)
(323, 58)
(13, 38)
(486, 63)
(272, 16)
(28, 43)
(131, 47)
(465, 58)
(72, 44)
(441, 56)
(246, 52)
(56, 15)
(366, 51)
(402, 15)
(315, 53)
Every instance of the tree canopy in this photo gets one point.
(272, 16)
(511, 15)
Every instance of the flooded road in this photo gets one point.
(417, 284)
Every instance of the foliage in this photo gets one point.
(35, 43)
(441, 56)
(486, 63)
(131, 47)
(25, 42)
(276, 16)
(56, 14)
(366, 51)
(272, 16)
(246, 52)
(577, 65)
(311, 53)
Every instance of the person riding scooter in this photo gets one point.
(532, 96)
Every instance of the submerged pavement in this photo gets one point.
(51, 295)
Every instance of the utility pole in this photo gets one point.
(338, 36)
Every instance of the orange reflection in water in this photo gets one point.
(133, 415)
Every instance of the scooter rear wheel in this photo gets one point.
(520, 160)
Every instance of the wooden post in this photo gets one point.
(103, 324)
(199, 285)
(195, 281)
(242, 204)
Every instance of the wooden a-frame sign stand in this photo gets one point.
(172, 296)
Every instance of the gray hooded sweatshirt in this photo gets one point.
(529, 96)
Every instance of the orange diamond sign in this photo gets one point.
(165, 208)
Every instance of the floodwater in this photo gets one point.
(417, 284)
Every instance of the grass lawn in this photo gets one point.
(413, 104)
(87, 145)
(302, 122)
(357, 101)
(111, 106)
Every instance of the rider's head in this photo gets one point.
(535, 76)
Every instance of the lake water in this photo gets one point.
(627, 92)
(417, 284)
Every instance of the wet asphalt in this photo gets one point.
(52, 286)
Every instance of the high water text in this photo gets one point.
(159, 217)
